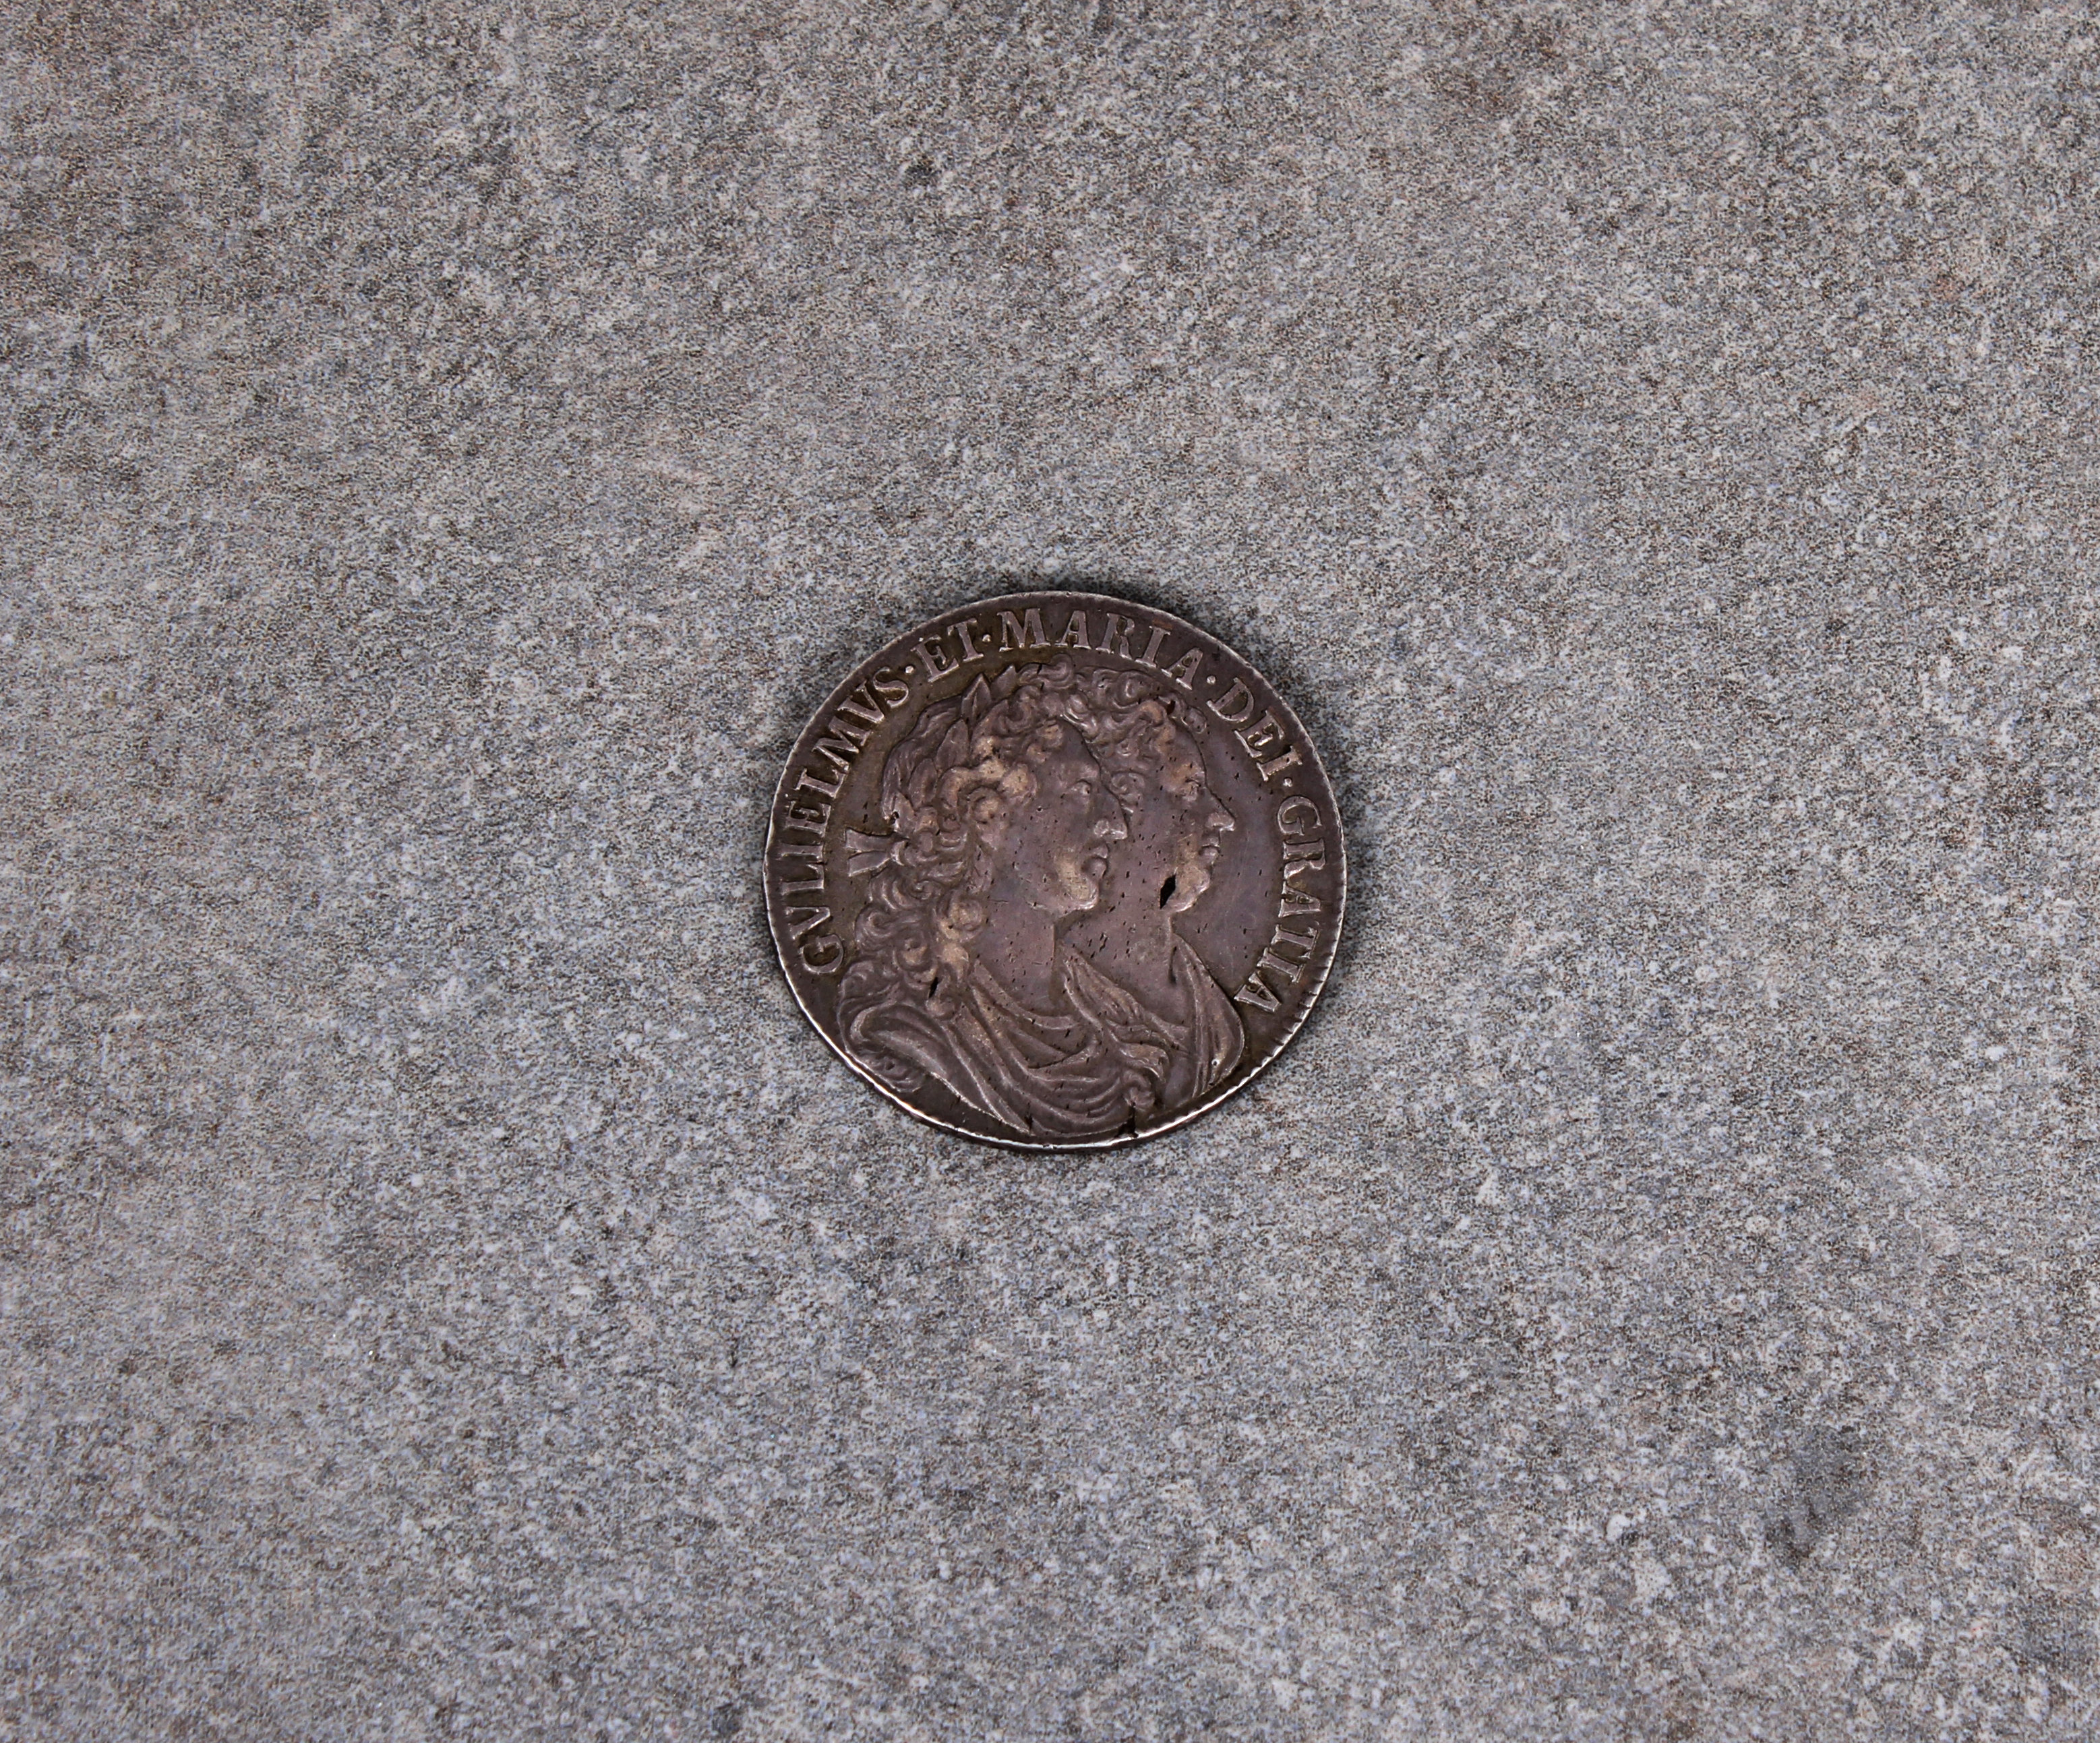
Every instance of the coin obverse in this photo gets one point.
(1056, 871)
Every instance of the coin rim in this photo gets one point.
(1119, 1140)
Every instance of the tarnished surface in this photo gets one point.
(1055, 869)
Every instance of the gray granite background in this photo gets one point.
(445, 1288)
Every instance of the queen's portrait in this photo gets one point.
(1149, 747)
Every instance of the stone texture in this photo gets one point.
(446, 1290)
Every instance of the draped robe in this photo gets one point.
(1101, 1063)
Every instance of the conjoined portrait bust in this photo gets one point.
(1018, 941)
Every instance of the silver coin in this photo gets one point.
(1057, 871)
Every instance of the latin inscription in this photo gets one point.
(1299, 914)
(942, 652)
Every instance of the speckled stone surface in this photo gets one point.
(445, 1288)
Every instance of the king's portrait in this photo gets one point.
(1017, 942)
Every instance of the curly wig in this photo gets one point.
(963, 764)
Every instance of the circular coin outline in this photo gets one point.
(1315, 969)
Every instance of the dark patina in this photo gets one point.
(1056, 870)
